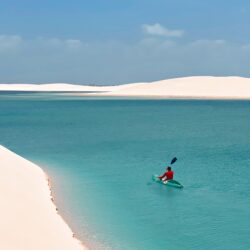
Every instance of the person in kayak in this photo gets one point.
(169, 175)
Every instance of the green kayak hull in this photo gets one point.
(171, 183)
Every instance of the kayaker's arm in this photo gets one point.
(162, 176)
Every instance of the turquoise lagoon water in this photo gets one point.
(101, 153)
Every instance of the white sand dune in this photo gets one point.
(29, 220)
(185, 87)
(57, 87)
(52, 87)
(190, 87)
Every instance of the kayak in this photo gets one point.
(171, 183)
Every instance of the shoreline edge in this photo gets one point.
(29, 216)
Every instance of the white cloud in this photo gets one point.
(51, 41)
(246, 47)
(9, 42)
(55, 42)
(73, 43)
(159, 30)
(44, 59)
(216, 42)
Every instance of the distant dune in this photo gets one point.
(187, 87)
(190, 87)
(52, 87)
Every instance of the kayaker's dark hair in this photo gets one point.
(169, 168)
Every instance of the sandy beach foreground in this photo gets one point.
(29, 219)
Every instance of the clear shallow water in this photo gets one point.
(101, 154)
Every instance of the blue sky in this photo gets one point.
(112, 41)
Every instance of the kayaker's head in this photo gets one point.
(168, 168)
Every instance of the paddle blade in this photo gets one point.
(173, 160)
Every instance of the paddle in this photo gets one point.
(173, 160)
